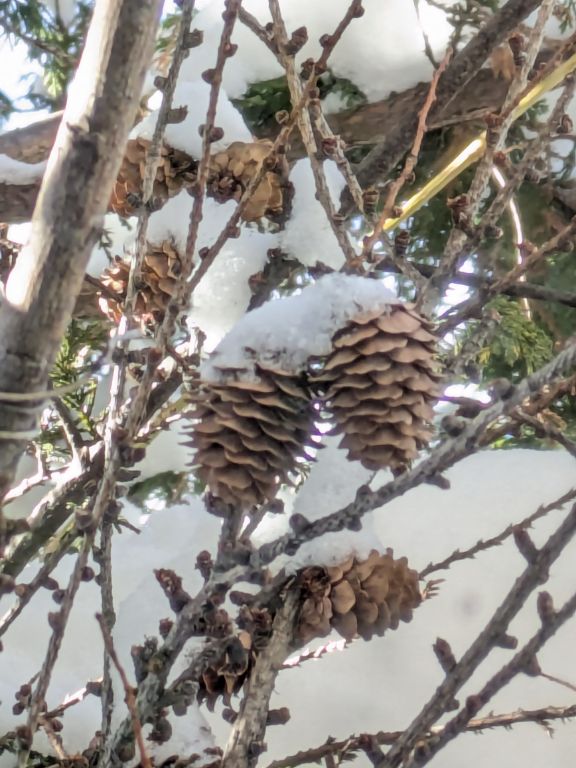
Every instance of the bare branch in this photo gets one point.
(128, 690)
(535, 572)
(500, 538)
(506, 720)
(523, 661)
(246, 737)
(305, 126)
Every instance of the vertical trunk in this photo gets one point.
(73, 198)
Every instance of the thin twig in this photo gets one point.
(410, 162)
(58, 621)
(50, 562)
(305, 126)
(505, 720)
(558, 680)
(500, 538)
(458, 237)
(153, 154)
(107, 617)
(483, 284)
(128, 690)
(533, 255)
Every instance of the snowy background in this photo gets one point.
(368, 686)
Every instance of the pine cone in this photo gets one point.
(379, 383)
(250, 435)
(228, 674)
(161, 269)
(232, 170)
(175, 171)
(358, 597)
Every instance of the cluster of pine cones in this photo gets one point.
(230, 171)
(377, 387)
(358, 597)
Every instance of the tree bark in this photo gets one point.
(382, 159)
(246, 738)
(33, 143)
(73, 199)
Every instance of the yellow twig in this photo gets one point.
(475, 149)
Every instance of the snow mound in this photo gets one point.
(308, 235)
(287, 332)
(185, 136)
(390, 37)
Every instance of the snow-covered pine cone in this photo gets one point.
(250, 435)
(358, 597)
(379, 384)
(161, 270)
(176, 170)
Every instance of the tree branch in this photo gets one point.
(484, 284)
(477, 725)
(43, 286)
(245, 741)
(380, 161)
(533, 575)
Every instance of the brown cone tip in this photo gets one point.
(359, 597)
(161, 269)
(251, 436)
(380, 384)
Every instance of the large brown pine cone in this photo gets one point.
(358, 597)
(251, 435)
(379, 384)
